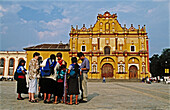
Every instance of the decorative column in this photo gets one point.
(139, 38)
(125, 37)
(76, 43)
(147, 56)
(98, 67)
(98, 41)
(71, 39)
(145, 38)
(125, 44)
(145, 44)
(126, 66)
(90, 39)
(140, 67)
(76, 39)
(71, 42)
(146, 65)
(6, 66)
(116, 42)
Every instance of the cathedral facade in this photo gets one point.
(114, 51)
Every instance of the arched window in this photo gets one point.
(121, 68)
(2, 63)
(132, 48)
(143, 69)
(107, 51)
(11, 67)
(107, 26)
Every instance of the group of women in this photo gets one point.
(54, 79)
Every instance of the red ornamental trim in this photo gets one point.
(143, 73)
(96, 52)
(72, 52)
(71, 34)
(121, 72)
(148, 55)
(109, 34)
(94, 72)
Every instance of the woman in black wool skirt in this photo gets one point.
(59, 89)
(73, 88)
(21, 81)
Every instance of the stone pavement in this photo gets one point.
(102, 96)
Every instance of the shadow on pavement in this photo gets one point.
(91, 96)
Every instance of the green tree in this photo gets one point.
(155, 65)
(165, 60)
(158, 64)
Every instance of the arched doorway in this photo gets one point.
(107, 70)
(133, 72)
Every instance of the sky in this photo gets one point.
(25, 23)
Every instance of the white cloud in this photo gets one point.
(66, 12)
(54, 28)
(58, 22)
(10, 9)
(23, 21)
(14, 8)
(46, 34)
(48, 9)
(2, 9)
(124, 8)
(120, 8)
(151, 11)
(3, 30)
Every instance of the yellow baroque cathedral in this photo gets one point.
(114, 51)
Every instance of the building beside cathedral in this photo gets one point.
(9, 61)
(114, 51)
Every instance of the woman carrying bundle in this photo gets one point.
(73, 88)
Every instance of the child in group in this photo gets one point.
(73, 87)
(59, 89)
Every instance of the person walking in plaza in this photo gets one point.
(84, 69)
(73, 87)
(59, 85)
(48, 77)
(21, 80)
(33, 75)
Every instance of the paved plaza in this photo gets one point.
(103, 96)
